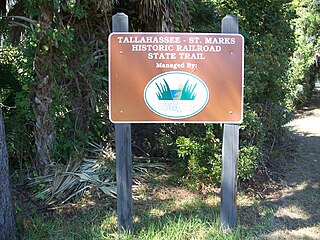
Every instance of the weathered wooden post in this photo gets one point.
(120, 23)
(230, 148)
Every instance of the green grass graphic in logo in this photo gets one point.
(188, 92)
(165, 93)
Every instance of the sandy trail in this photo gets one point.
(297, 210)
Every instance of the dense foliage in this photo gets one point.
(304, 70)
(54, 77)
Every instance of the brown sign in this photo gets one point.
(176, 77)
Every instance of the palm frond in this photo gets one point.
(22, 18)
(96, 173)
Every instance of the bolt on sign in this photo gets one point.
(176, 77)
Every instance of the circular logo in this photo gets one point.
(176, 95)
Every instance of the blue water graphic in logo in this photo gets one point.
(176, 94)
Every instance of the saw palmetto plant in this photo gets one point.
(95, 174)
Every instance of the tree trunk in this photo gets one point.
(44, 131)
(7, 223)
(3, 8)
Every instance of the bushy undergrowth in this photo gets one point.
(201, 157)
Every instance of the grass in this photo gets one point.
(161, 210)
(194, 220)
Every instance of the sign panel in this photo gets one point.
(176, 77)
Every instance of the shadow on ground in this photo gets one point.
(296, 203)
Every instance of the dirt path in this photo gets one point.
(297, 205)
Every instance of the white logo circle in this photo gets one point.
(176, 95)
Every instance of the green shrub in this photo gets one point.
(247, 161)
(201, 157)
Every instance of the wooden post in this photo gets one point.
(120, 23)
(230, 148)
